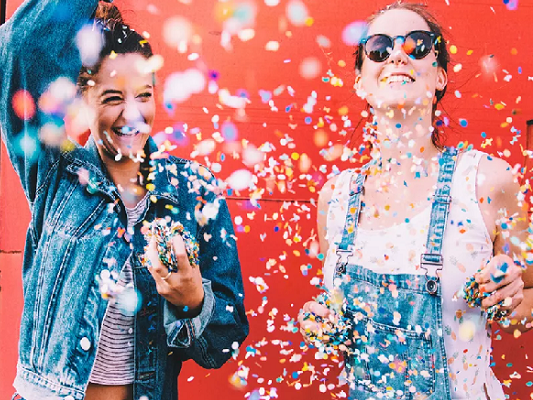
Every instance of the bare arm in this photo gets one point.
(324, 197)
(506, 218)
(310, 328)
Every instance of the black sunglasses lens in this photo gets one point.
(378, 47)
(418, 45)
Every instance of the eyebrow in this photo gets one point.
(110, 91)
(114, 91)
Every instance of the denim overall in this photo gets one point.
(397, 348)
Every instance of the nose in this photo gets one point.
(398, 55)
(131, 112)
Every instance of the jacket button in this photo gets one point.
(85, 344)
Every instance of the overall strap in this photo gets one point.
(431, 261)
(345, 248)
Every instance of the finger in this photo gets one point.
(319, 309)
(499, 278)
(495, 269)
(151, 254)
(178, 247)
(309, 328)
(157, 269)
(156, 276)
(504, 294)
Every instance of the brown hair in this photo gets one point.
(443, 56)
(117, 37)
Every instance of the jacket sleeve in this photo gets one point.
(211, 338)
(37, 46)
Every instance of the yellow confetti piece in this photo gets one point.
(343, 110)
(453, 49)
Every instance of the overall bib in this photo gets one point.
(397, 347)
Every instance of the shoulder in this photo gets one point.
(190, 169)
(335, 190)
(492, 172)
(334, 185)
(326, 193)
(496, 175)
(197, 177)
(497, 183)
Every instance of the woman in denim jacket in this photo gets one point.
(97, 323)
(403, 234)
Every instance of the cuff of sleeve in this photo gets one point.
(181, 332)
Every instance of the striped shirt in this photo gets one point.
(115, 364)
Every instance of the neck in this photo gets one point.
(125, 175)
(402, 140)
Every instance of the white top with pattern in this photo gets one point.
(115, 363)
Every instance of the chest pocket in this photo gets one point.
(77, 214)
(399, 362)
(387, 359)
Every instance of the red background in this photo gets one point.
(275, 240)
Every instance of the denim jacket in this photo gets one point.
(78, 230)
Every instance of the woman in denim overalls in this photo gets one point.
(404, 233)
(102, 319)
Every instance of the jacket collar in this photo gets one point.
(162, 176)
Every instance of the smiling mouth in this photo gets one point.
(401, 79)
(125, 131)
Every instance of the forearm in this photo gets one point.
(222, 335)
(521, 318)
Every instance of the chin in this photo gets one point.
(394, 102)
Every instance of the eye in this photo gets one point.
(112, 99)
(145, 96)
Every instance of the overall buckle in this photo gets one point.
(342, 260)
(435, 260)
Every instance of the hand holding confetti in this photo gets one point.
(497, 288)
(323, 323)
(172, 258)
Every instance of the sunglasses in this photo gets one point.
(416, 44)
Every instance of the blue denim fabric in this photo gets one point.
(77, 230)
(391, 357)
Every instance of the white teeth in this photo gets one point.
(399, 79)
(126, 131)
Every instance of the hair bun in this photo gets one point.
(109, 14)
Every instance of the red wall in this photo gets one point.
(275, 239)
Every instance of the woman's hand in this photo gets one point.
(310, 320)
(183, 288)
(505, 278)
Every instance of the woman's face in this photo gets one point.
(400, 81)
(121, 107)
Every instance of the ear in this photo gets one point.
(358, 81)
(442, 79)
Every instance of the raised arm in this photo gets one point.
(37, 46)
